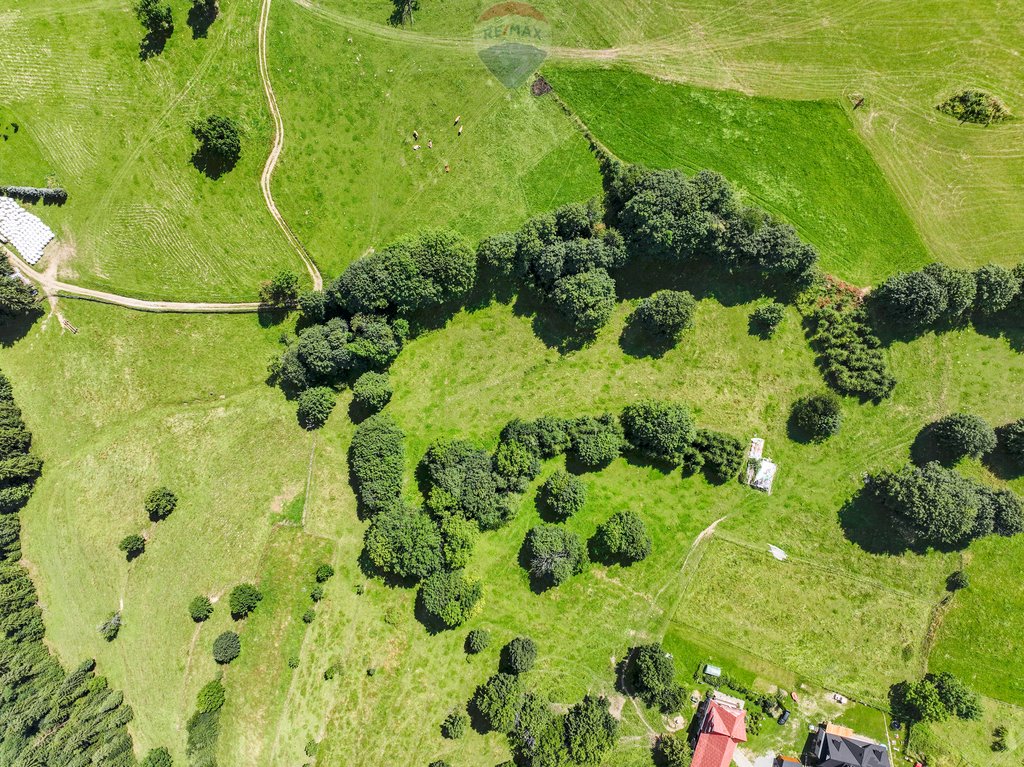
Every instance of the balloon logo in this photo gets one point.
(511, 41)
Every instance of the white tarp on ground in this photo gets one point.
(23, 230)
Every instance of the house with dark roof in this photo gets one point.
(838, 747)
(722, 726)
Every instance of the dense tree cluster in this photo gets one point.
(590, 730)
(673, 750)
(554, 554)
(404, 542)
(377, 463)
(16, 297)
(203, 727)
(48, 716)
(660, 431)
(498, 700)
(651, 672)
(721, 456)
(461, 480)
(450, 597)
(934, 698)
(817, 417)
(243, 599)
(665, 313)
(562, 495)
(974, 106)
(849, 353)
(623, 538)
(936, 506)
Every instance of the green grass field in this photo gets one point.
(136, 400)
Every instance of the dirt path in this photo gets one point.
(275, 152)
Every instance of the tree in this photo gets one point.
(817, 417)
(659, 430)
(1007, 512)
(766, 319)
(720, 455)
(324, 572)
(958, 698)
(1011, 438)
(665, 313)
(226, 647)
(477, 641)
(959, 287)
(458, 537)
(596, 441)
(282, 290)
(132, 546)
(454, 725)
(200, 608)
(313, 306)
(651, 671)
(376, 342)
(674, 750)
(16, 296)
(587, 299)
(590, 730)
(562, 494)
(377, 463)
(554, 554)
(933, 505)
(403, 542)
(997, 287)
(913, 299)
(934, 698)
(211, 697)
(449, 597)
(515, 466)
(243, 600)
(220, 144)
(157, 757)
(155, 16)
(518, 656)
(372, 391)
(315, 406)
(623, 538)
(960, 435)
(159, 503)
(499, 701)
(500, 253)
(461, 480)
(110, 628)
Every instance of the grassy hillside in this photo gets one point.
(113, 130)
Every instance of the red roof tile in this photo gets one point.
(723, 727)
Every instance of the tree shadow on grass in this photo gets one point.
(926, 449)
(271, 316)
(201, 16)
(13, 329)
(1003, 325)
(869, 525)
(538, 585)
(211, 164)
(153, 44)
(638, 342)
(549, 325)
(1000, 462)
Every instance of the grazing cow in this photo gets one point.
(457, 119)
(415, 147)
(415, 134)
(430, 144)
(460, 130)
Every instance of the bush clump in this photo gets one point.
(554, 554)
(518, 656)
(454, 725)
(315, 406)
(132, 546)
(962, 435)
(652, 673)
(157, 757)
(499, 700)
(659, 430)
(562, 494)
(110, 628)
(200, 608)
(404, 542)
(623, 538)
(974, 106)
(324, 572)
(243, 600)
(674, 750)
(957, 581)
(720, 455)
(377, 463)
(372, 391)
(596, 442)
(590, 730)
(211, 697)
(817, 417)
(765, 320)
(850, 353)
(477, 641)
(226, 647)
(450, 597)
(997, 286)
(159, 503)
(665, 313)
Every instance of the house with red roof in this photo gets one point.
(722, 727)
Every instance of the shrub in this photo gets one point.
(961, 435)
(200, 608)
(243, 600)
(315, 406)
(562, 494)
(220, 142)
(849, 353)
(309, 616)
(450, 597)
(454, 725)
(766, 319)
(132, 546)
(372, 391)
(1011, 438)
(211, 697)
(282, 290)
(439, 763)
(623, 538)
(499, 701)
(957, 581)
(403, 542)
(317, 593)
(157, 757)
(596, 442)
(293, 661)
(554, 554)
(817, 417)
(665, 313)
(586, 299)
(974, 106)
(377, 463)
(1003, 508)
(997, 287)
(110, 627)
(324, 573)
(515, 465)
(674, 750)
(914, 299)
(159, 503)
(721, 455)
(590, 730)
(477, 641)
(518, 656)
(660, 430)
(226, 647)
